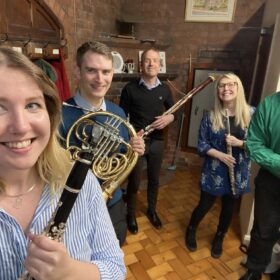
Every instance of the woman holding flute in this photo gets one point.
(226, 167)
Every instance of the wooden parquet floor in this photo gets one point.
(162, 255)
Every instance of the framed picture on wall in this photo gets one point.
(210, 10)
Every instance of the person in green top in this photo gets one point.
(263, 145)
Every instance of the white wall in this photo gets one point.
(271, 85)
(271, 82)
(272, 7)
(247, 208)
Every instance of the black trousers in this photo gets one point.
(153, 156)
(205, 203)
(117, 214)
(265, 231)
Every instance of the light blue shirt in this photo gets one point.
(83, 103)
(142, 82)
(89, 235)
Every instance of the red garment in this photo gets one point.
(62, 79)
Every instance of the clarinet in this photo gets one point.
(57, 224)
(229, 152)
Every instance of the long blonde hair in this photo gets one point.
(242, 109)
(54, 163)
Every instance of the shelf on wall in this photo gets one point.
(125, 77)
(131, 43)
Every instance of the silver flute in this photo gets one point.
(229, 152)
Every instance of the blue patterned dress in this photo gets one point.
(215, 174)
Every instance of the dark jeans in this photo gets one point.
(205, 203)
(265, 231)
(153, 156)
(117, 214)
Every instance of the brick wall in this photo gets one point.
(84, 20)
(163, 20)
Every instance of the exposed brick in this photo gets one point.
(163, 20)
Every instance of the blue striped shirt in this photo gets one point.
(89, 235)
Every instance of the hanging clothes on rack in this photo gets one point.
(62, 82)
(47, 68)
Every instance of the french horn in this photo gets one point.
(113, 157)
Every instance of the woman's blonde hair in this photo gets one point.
(242, 109)
(54, 163)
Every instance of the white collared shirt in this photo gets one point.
(157, 83)
(83, 103)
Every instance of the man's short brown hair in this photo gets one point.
(94, 47)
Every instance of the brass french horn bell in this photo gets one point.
(114, 158)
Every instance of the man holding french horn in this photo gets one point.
(94, 71)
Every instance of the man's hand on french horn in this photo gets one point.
(137, 143)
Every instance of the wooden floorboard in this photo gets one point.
(162, 255)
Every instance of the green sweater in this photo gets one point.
(263, 141)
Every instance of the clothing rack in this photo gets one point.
(35, 49)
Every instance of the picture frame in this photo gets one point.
(210, 10)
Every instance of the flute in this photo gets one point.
(229, 152)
